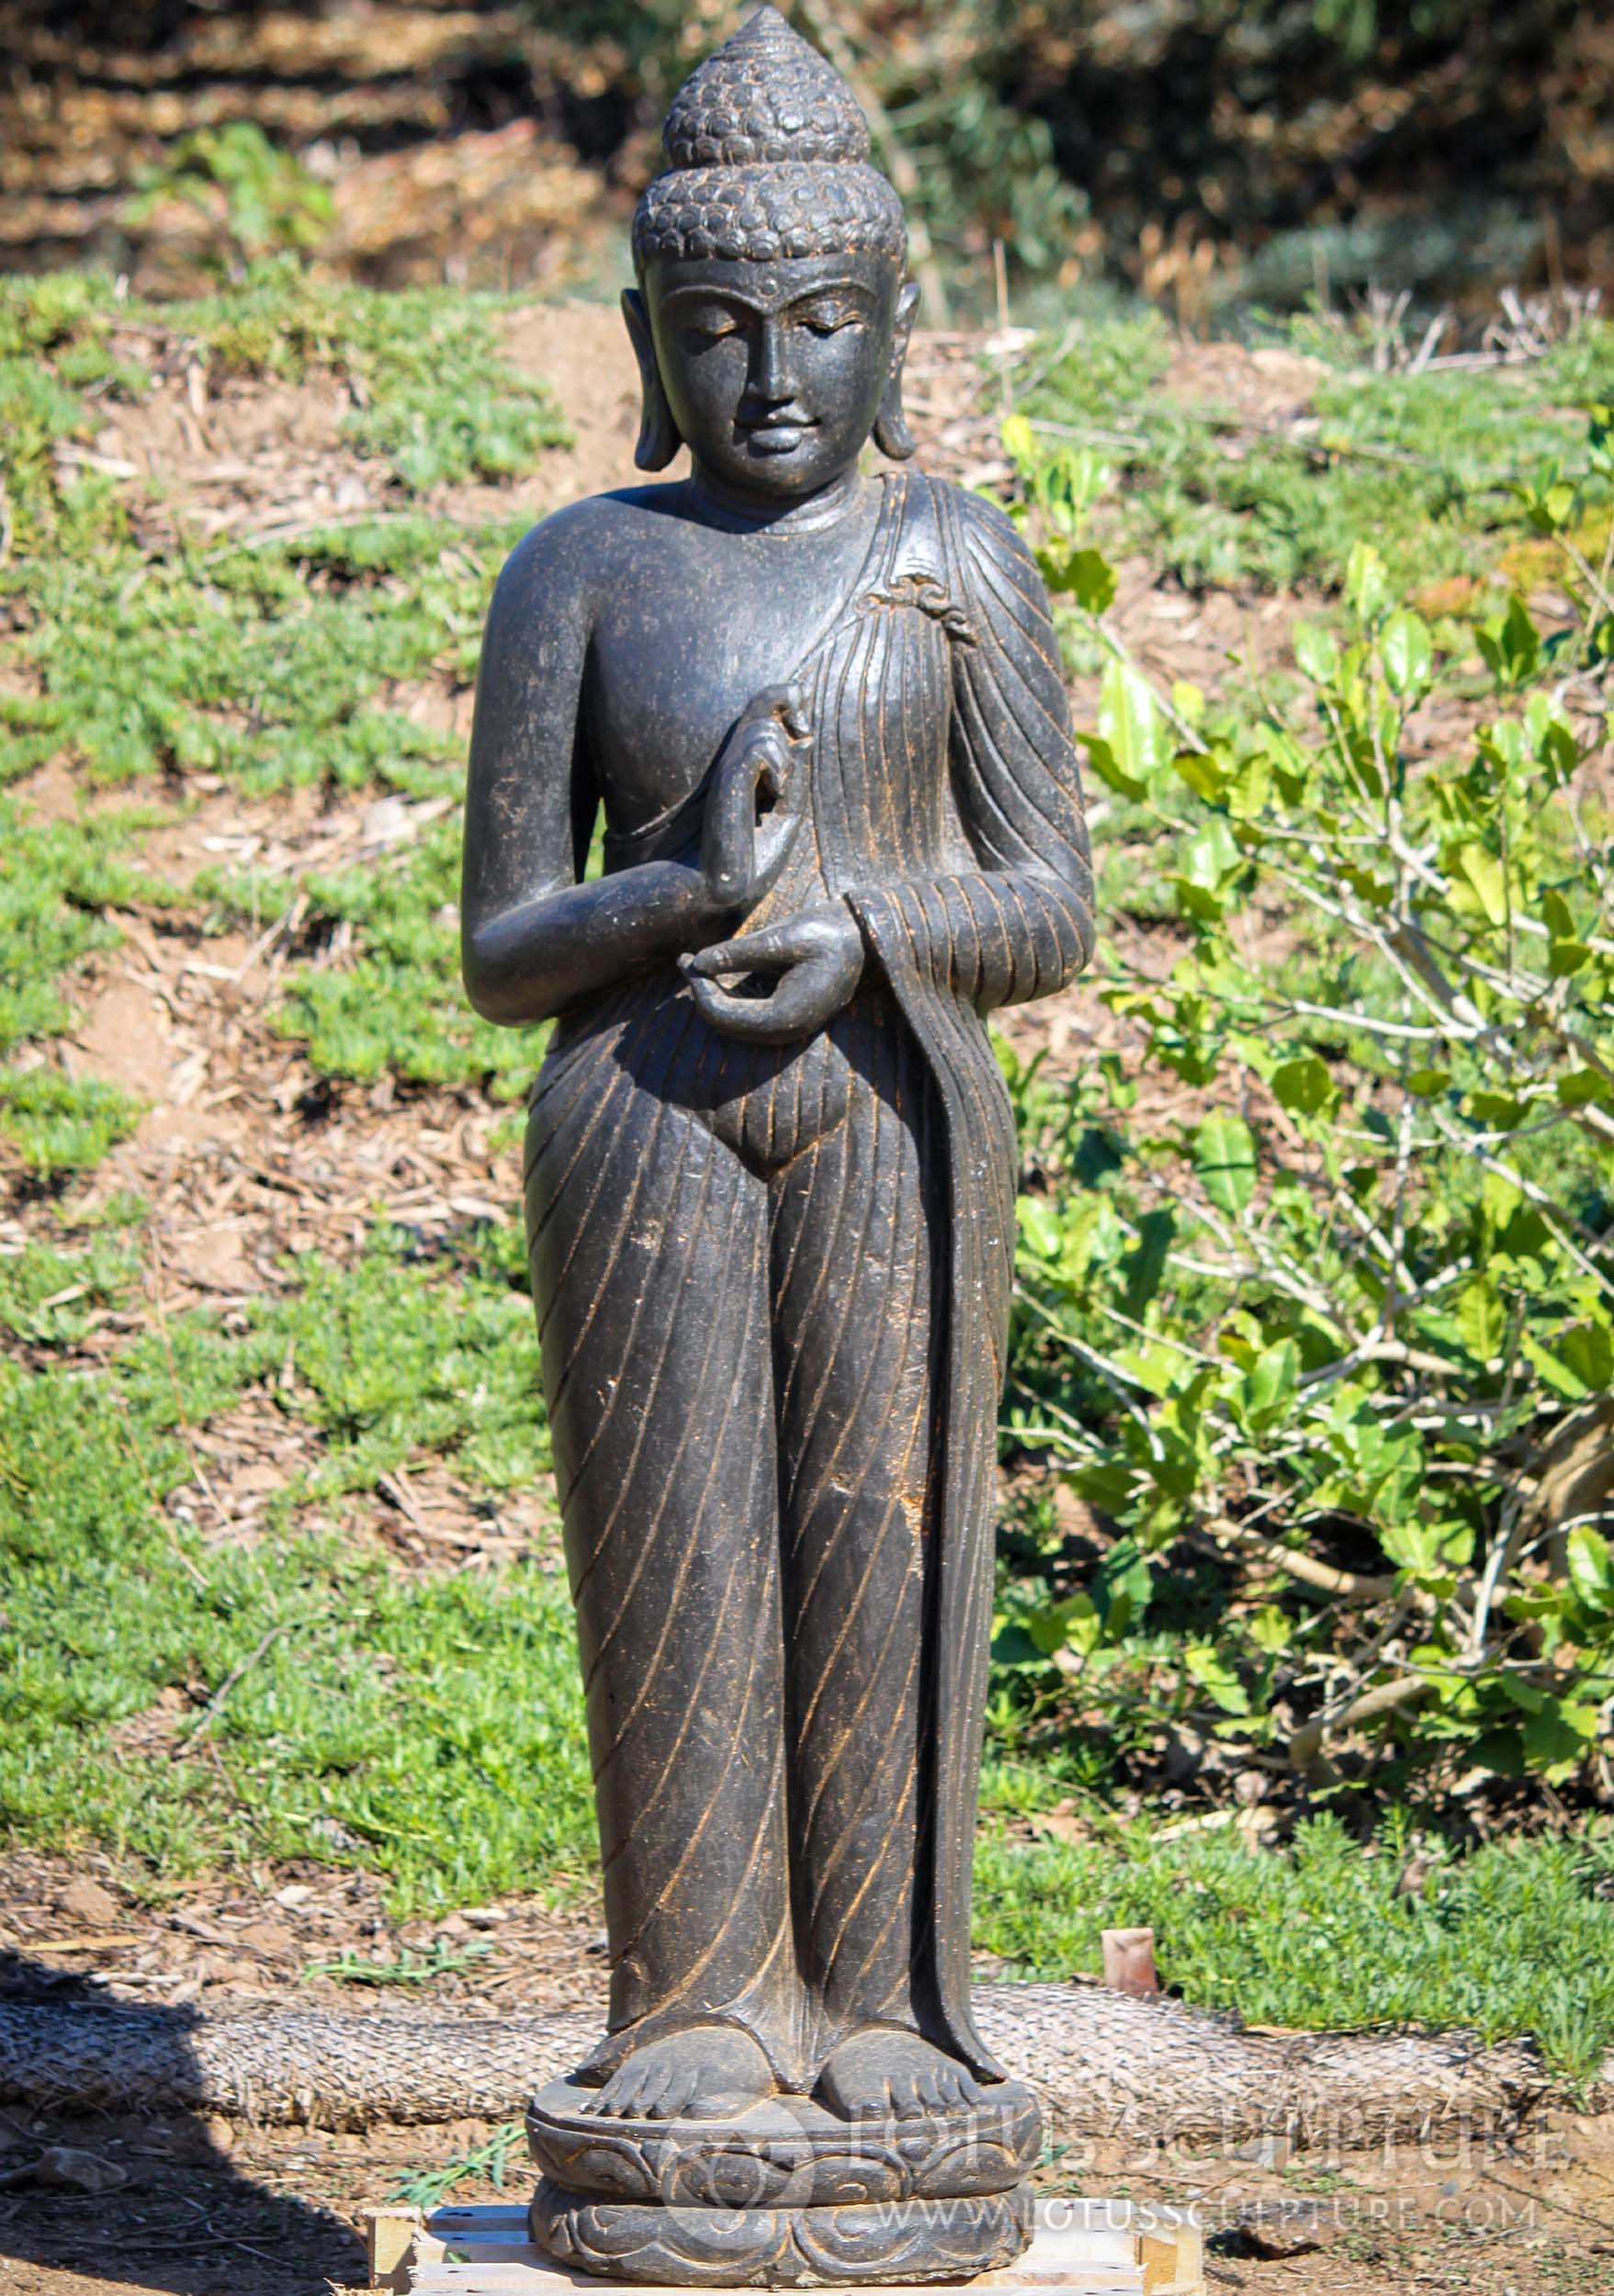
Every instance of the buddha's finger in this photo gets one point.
(752, 952)
(786, 702)
(808, 996)
(728, 839)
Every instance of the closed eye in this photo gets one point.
(829, 319)
(709, 323)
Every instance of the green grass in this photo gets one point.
(400, 1006)
(271, 666)
(1512, 1937)
(433, 391)
(427, 1727)
(57, 880)
(265, 665)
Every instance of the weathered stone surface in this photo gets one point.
(787, 2153)
(810, 2248)
(770, 1197)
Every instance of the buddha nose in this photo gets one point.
(773, 375)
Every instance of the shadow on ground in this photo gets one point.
(190, 2203)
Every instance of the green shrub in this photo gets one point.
(259, 197)
(1321, 1290)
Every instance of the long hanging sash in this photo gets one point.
(979, 1128)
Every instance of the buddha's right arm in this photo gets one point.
(534, 938)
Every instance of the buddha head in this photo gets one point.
(772, 312)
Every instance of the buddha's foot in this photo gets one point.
(702, 2073)
(883, 2072)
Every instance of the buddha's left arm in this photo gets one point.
(1020, 924)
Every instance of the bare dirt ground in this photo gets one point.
(246, 1155)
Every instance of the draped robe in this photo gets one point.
(944, 806)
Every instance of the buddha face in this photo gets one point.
(774, 372)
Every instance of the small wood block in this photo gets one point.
(389, 2238)
(1087, 2247)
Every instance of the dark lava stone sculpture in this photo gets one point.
(770, 1194)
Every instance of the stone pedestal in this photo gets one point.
(785, 2196)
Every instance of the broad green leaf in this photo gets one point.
(1040, 1225)
(1534, 1601)
(1085, 575)
(1073, 1622)
(1196, 900)
(1510, 644)
(1109, 1484)
(1368, 885)
(1556, 912)
(1559, 1373)
(1224, 1158)
(1316, 654)
(1587, 1351)
(1153, 1367)
(1481, 872)
(1367, 585)
(1109, 768)
(1552, 736)
(1269, 1385)
(1427, 1082)
(1213, 854)
(1481, 1318)
(1129, 722)
(1415, 1545)
(1291, 762)
(1567, 952)
(1091, 580)
(1555, 1740)
(1203, 771)
(1020, 442)
(1407, 653)
(1498, 1111)
(1499, 1201)
(1146, 1264)
(1501, 1750)
(1271, 1629)
(1216, 1679)
(1591, 1567)
(1251, 786)
(1303, 1084)
(1583, 1087)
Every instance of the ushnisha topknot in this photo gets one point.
(767, 157)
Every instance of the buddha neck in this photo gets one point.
(733, 512)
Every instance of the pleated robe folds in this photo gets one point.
(945, 807)
(994, 909)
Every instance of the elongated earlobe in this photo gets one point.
(657, 433)
(892, 435)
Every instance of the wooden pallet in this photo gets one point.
(1088, 2247)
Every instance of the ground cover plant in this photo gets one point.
(150, 654)
(346, 1705)
(1423, 465)
(1324, 1605)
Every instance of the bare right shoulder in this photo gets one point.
(578, 555)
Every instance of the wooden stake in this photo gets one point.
(1129, 1962)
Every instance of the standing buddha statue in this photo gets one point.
(770, 1193)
